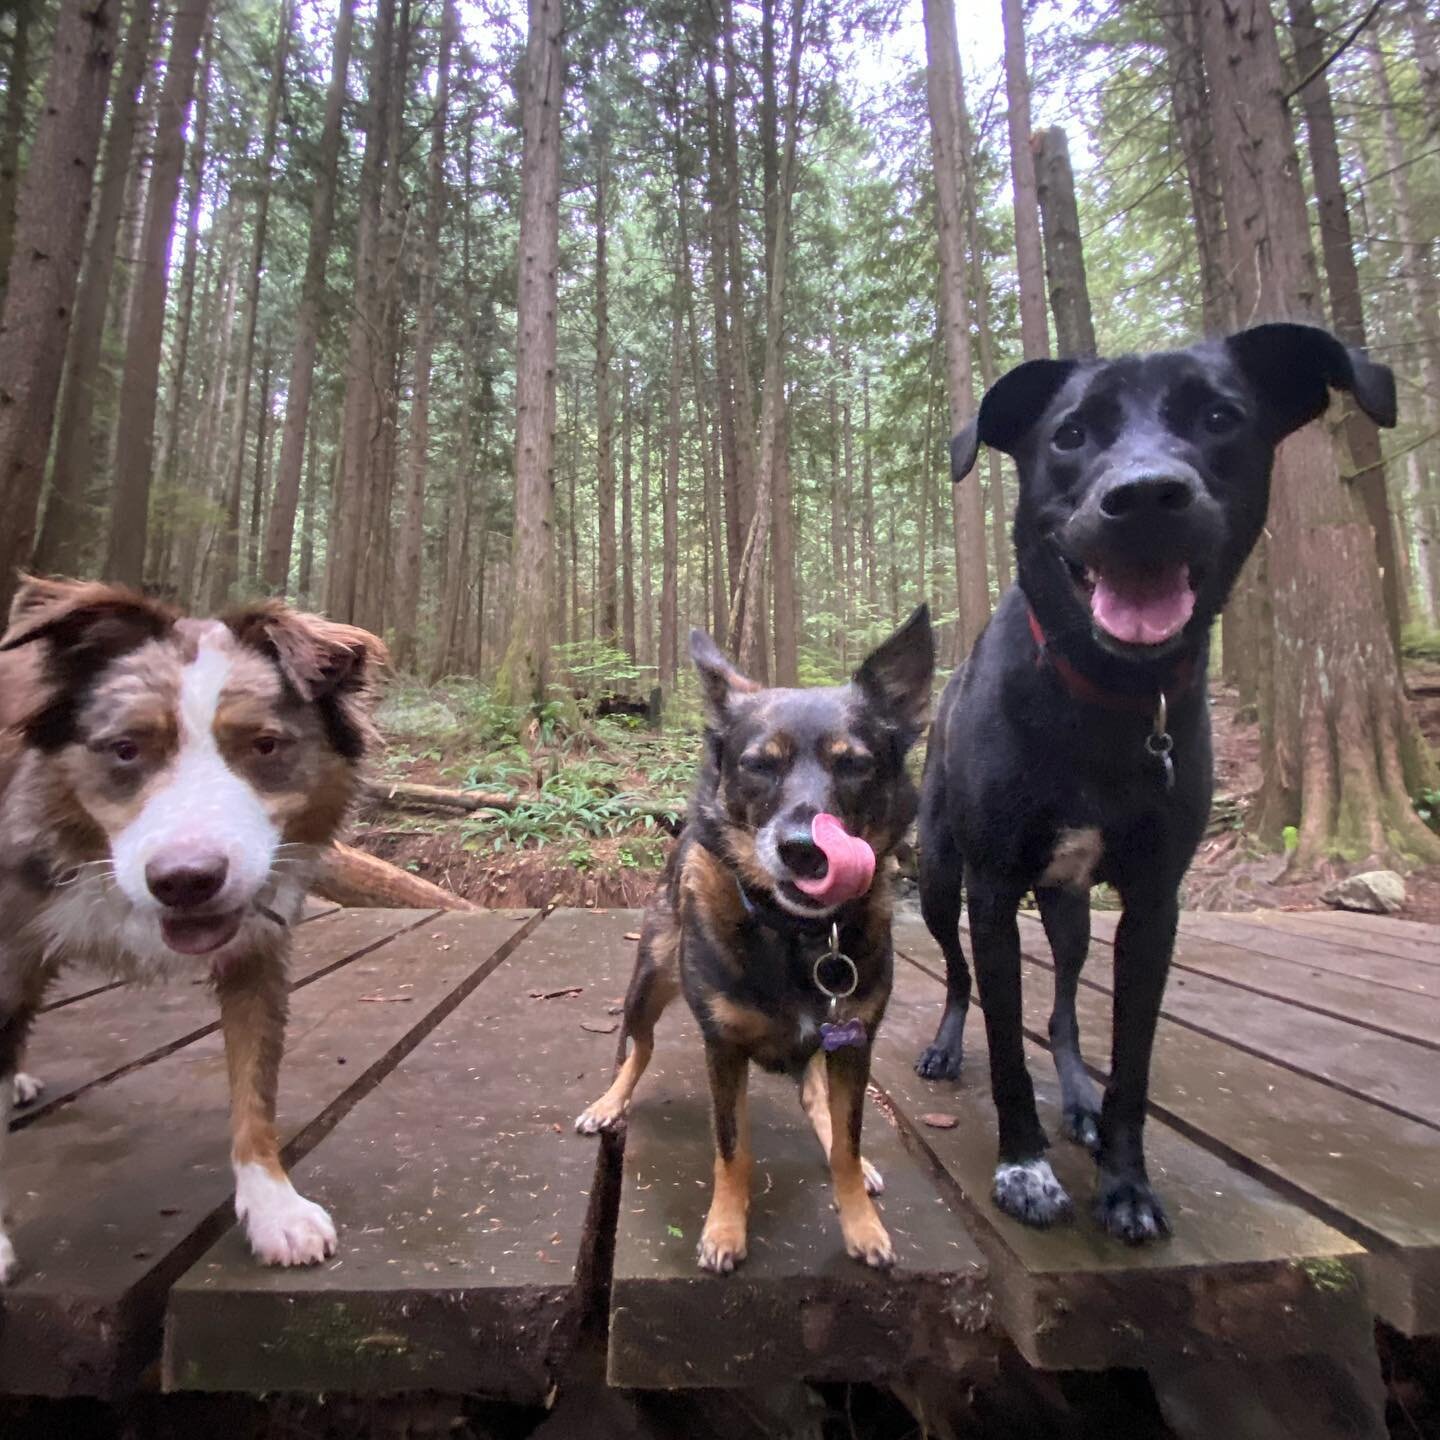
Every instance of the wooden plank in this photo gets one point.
(464, 1198)
(97, 1038)
(1246, 1271)
(1376, 1007)
(799, 1307)
(1392, 1072)
(1411, 976)
(1382, 934)
(1363, 1170)
(116, 1194)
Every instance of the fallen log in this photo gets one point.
(407, 795)
(351, 877)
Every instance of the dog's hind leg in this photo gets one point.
(815, 1101)
(283, 1228)
(1025, 1185)
(653, 985)
(1066, 917)
(941, 865)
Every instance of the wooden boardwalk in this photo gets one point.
(435, 1063)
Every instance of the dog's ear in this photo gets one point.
(1009, 410)
(85, 619)
(896, 677)
(1293, 368)
(720, 681)
(331, 665)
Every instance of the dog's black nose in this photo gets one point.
(1146, 495)
(802, 856)
(183, 887)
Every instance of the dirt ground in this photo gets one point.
(1229, 872)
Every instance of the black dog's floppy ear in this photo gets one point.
(1010, 408)
(720, 681)
(896, 676)
(1293, 368)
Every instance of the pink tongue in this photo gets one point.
(850, 867)
(1143, 608)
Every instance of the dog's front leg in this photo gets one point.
(848, 1073)
(1025, 1185)
(722, 1242)
(283, 1228)
(1125, 1204)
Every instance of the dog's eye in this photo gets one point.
(853, 765)
(264, 745)
(124, 750)
(1221, 418)
(1068, 437)
(758, 763)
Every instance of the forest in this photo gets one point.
(530, 336)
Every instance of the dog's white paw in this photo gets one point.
(8, 1262)
(1030, 1192)
(602, 1116)
(282, 1226)
(28, 1088)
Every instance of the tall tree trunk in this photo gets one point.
(786, 603)
(279, 532)
(525, 668)
(17, 99)
(51, 211)
(412, 533)
(227, 568)
(1341, 751)
(627, 517)
(68, 522)
(606, 585)
(362, 404)
(1030, 261)
(1427, 539)
(669, 503)
(747, 627)
(867, 473)
(1417, 273)
(307, 518)
(169, 466)
(945, 94)
(1190, 102)
(1064, 256)
(135, 432)
(1337, 247)
(262, 464)
(647, 599)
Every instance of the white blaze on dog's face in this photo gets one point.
(196, 765)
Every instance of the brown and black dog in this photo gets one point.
(802, 797)
(167, 786)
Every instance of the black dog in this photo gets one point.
(1074, 745)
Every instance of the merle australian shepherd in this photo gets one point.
(776, 899)
(167, 786)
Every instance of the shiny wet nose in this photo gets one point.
(186, 886)
(1147, 495)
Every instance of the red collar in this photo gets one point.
(1086, 691)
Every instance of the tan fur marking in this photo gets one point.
(712, 889)
(740, 1024)
(1074, 859)
(252, 1017)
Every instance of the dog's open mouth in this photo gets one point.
(1140, 605)
(199, 934)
